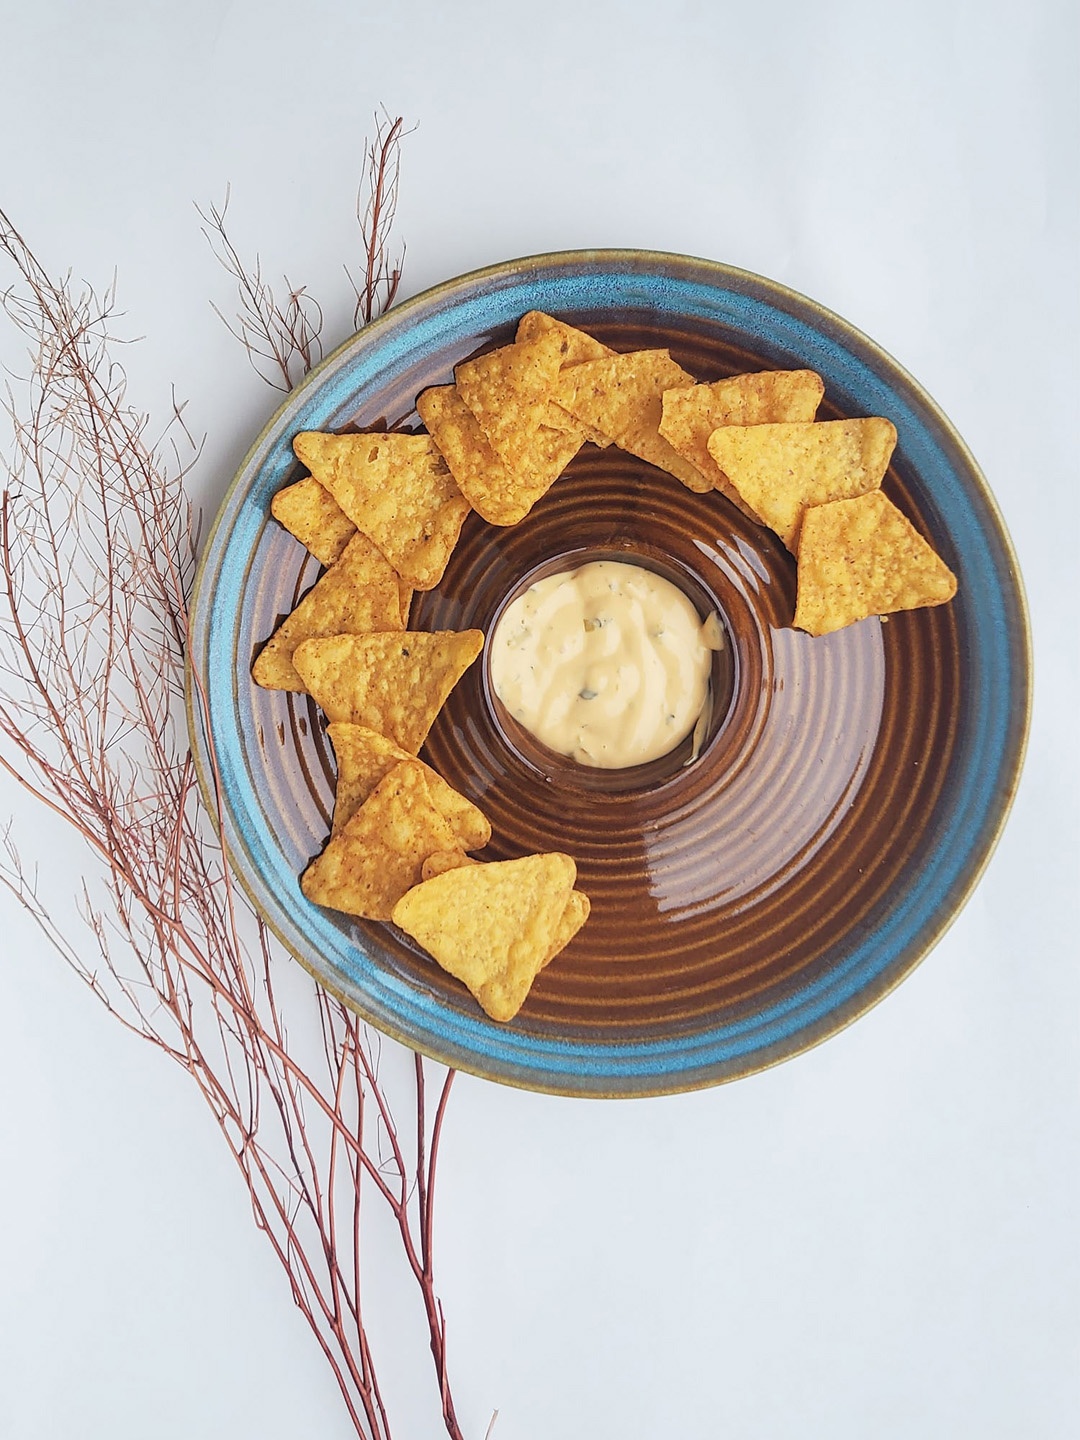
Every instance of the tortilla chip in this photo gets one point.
(765, 398)
(779, 470)
(397, 489)
(494, 492)
(570, 922)
(507, 391)
(493, 926)
(580, 347)
(405, 596)
(622, 397)
(444, 860)
(864, 557)
(316, 519)
(379, 855)
(357, 595)
(393, 683)
(364, 757)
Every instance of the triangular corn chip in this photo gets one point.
(570, 922)
(364, 758)
(779, 470)
(622, 397)
(397, 490)
(580, 347)
(501, 495)
(507, 391)
(444, 860)
(316, 519)
(379, 855)
(358, 594)
(395, 684)
(405, 595)
(864, 557)
(572, 919)
(764, 398)
(493, 926)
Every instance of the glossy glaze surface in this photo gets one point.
(849, 789)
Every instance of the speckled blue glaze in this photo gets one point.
(393, 358)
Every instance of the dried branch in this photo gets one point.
(97, 545)
(283, 341)
(376, 208)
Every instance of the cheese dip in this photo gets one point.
(609, 663)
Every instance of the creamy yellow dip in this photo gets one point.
(609, 663)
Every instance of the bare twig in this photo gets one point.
(376, 207)
(282, 340)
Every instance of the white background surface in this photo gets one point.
(878, 1238)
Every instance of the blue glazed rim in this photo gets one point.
(786, 327)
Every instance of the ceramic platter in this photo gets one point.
(850, 789)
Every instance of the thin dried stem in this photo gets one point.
(97, 545)
(283, 340)
(376, 209)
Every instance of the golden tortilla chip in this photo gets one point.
(507, 391)
(579, 348)
(379, 855)
(570, 922)
(622, 397)
(316, 519)
(444, 860)
(493, 926)
(357, 595)
(864, 557)
(781, 469)
(364, 757)
(405, 596)
(393, 683)
(491, 489)
(397, 489)
(765, 398)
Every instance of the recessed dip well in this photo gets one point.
(608, 663)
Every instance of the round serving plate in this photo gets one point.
(749, 900)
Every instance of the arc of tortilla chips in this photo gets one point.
(492, 926)
(622, 397)
(862, 557)
(507, 391)
(779, 470)
(364, 758)
(764, 398)
(358, 594)
(311, 513)
(379, 855)
(397, 489)
(395, 684)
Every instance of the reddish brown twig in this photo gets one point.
(376, 207)
(96, 554)
(283, 341)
